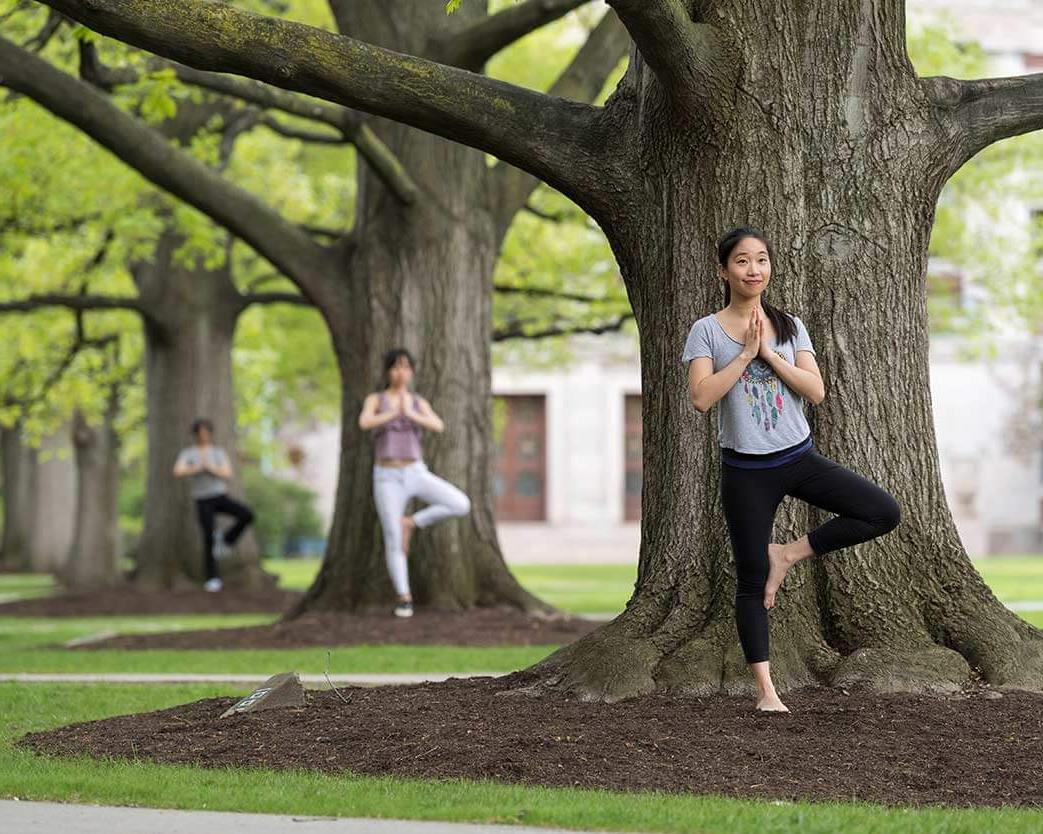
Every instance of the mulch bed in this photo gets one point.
(131, 601)
(961, 750)
(477, 627)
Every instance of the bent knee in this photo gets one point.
(462, 506)
(888, 516)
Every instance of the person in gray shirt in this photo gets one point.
(208, 469)
(757, 363)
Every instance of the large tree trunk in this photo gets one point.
(20, 467)
(94, 559)
(190, 317)
(421, 277)
(847, 194)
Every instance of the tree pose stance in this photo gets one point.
(398, 417)
(209, 469)
(762, 374)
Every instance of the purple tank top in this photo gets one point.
(401, 437)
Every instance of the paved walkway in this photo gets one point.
(48, 817)
(188, 677)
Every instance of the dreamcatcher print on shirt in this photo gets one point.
(764, 393)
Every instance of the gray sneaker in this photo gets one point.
(404, 609)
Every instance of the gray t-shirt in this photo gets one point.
(205, 484)
(760, 414)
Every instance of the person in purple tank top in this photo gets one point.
(397, 417)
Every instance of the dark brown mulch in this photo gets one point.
(133, 602)
(889, 749)
(477, 627)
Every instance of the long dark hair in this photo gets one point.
(785, 327)
(391, 357)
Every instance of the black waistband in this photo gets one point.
(764, 456)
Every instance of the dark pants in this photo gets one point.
(207, 509)
(750, 498)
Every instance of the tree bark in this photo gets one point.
(190, 317)
(94, 559)
(20, 468)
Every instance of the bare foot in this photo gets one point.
(779, 562)
(771, 703)
(408, 526)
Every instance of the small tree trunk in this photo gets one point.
(54, 500)
(190, 317)
(95, 555)
(19, 469)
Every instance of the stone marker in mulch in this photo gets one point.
(282, 690)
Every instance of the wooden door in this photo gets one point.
(520, 474)
(632, 467)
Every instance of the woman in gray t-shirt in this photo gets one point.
(208, 469)
(759, 363)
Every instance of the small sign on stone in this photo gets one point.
(283, 690)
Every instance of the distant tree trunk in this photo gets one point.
(54, 502)
(421, 277)
(190, 318)
(94, 559)
(19, 468)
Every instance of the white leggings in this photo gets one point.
(393, 486)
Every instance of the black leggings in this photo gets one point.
(751, 497)
(207, 509)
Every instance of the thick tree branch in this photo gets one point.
(984, 111)
(516, 330)
(351, 125)
(582, 80)
(689, 59)
(290, 248)
(556, 140)
(475, 45)
(40, 301)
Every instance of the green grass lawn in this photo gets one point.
(33, 644)
(29, 707)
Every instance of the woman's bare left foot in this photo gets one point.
(771, 703)
(778, 564)
(408, 526)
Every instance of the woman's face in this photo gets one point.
(203, 435)
(401, 373)
(749, 268)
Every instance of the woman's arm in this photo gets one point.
(369, 418)
(706, 387)
(803, 377)
(427, 417)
